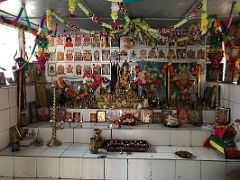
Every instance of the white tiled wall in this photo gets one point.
(230, 98)
(8, 113)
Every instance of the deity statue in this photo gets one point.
(184, 81)
(124, 77)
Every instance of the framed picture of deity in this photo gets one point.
(157, 116)
(146, 115)
(195, 117)
(93, 117)
(101, 116)
(222, 116)
(183, 116)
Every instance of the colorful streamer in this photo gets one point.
(204, 17)
(72, 6)
(27, 19)
(49, 20)
(229, 21)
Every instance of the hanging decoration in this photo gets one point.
(72, 7)
(192, 14)
(215, 53)
(14, 21)
(229, 21)
(93, 17)
(115, 9)
(204, 17)
(49, 21)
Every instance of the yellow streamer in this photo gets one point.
(72, 5)
(204, 17)
(49, 19)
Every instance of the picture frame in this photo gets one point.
(146, 115)
(68, 116)
(222, 116)
(157, 116)
(195, 117)
(78, 41)
(78, 69)
(87, 55)
(136, 113)
(52, 69)
(97, 55)
(183, 115)
(113, 114)
(165, 114)
(106, 69)
(101, 116)
(69, 54)
(60, 68)
(69, 69)
(78, 56)
(96, 69)
(2, 79)
(106, 55)
(61, 114)
(93, 117)
(76, 117)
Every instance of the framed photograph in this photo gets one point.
(2, 79)
(222, 116)
(191, 54)
(142, 53)
(152, 54)
(68, 116)
(95, 41)
(181, 54)
(162, 52)
(165, 114)
(68, 42)
(96, 69)
(134, 54)
(51, 42)
(115, 42)
(86, 41)
(76, 117)
(114, 56)
(78, 55)
(69, 69)
(183, 115)
(146, 115)
(101, 116)
(106, 69)
(60, 41)
(87, 55)
(78, 69)
(78, 41)
(52, 69)
(195, 117)
(105, 55)
(93, 117)
(69, 55)
(201, 53)
(96, 55)
(136, 113)
(87, 69)
(157, 116)
(171, 54)
(60, 55)
(60, 68)
(52, 56)
(113, 114)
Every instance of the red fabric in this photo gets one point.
(219, 132)
(207, 143)
(232, 153)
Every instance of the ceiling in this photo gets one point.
(158, 13)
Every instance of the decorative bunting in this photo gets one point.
(72, 6)
(49, 20)
(204, 17)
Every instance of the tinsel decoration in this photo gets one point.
(42, 59)
(204, 17)
(229, 21)
(49, 21)
(72, 7)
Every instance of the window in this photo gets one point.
(9, 44)
(29, 43)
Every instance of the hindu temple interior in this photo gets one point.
(120, 89)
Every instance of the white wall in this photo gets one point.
(230, 98)
(8, 113)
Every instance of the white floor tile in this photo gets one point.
(25, 167)
(163, 169)
(73, 153)
(187, 170)
(13, 116)
(211, 170)
(4, 120)
(180, 137)
(12, 96)
(7, 166)
(4, 139)
(70, 168)
(160, 137)
(4, 103)
(92, 168)
(139, 169)
(116, 169)
(47, 167)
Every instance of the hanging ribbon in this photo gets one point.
(72, 26)
(230, 15)
(204, 17)
(71, 7)
(27, 19)
(92, 16)
(14, 21)
(49, 20)
(55, 31)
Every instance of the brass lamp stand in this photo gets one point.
(54, 142)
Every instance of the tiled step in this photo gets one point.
(73, 160)
(155, 134)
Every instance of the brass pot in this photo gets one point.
(93, 146)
